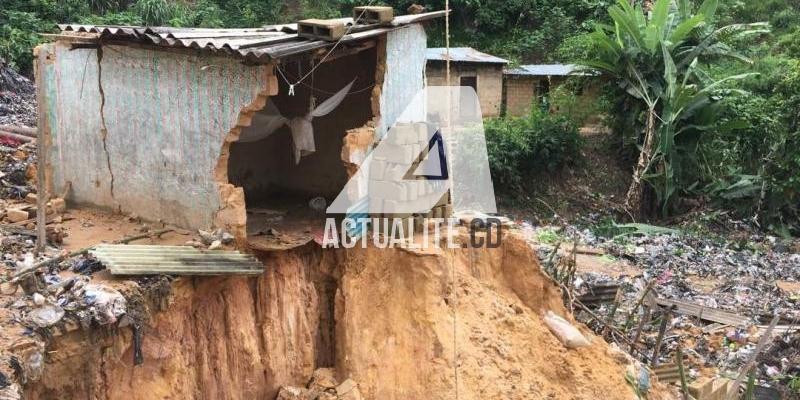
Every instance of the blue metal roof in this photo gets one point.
(544, 70)
(463, 54)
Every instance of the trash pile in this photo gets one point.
(72, 301)
(708, 298)
(322, 386)
(17, 98)
(17, 169)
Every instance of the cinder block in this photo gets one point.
(388, 190)
(402, 134)
(399, 153)
(377, 168)
(324, 29)
(394, 172)
(17, 215)
(373, 14)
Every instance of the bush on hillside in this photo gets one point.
(523, 147)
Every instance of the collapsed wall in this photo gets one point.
(382, 317)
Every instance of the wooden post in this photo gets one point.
(682, 373)
(41, 54)
(645, 318)
(661, 331)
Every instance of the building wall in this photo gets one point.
(490, 81)
(141, 131)
(404, 74)
(520, 92)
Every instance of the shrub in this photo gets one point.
(523, 147)
(18, 37)
(155, 12)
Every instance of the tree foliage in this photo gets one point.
(657, 58)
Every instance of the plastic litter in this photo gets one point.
(46, 316)
(566, 333)
(106, 303)
(87, 265)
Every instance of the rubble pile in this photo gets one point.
(683, 286)
(745, 277)
(17, 98)
(322, 386)
(17, 169)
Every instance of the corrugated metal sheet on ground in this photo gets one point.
(463, 54)
(127, 259)
(269, 42)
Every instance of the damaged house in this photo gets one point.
(221, 127)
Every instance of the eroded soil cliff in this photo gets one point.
(384, 318)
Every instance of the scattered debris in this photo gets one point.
(46, 316)
(17, 98)
(87, 265)
(208, 238)
(106, 304)
(712, 295)
(566, 333)
(322, 386)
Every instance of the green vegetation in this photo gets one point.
(708, 99)
(657, 62)
(697, 93)
(521, 148)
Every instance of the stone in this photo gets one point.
(217, 244)
(38, 299)
(31, 198)
(321, 379)
(227, 238)
(58, 205)
(294, 393)
(16, 215)
(347, 386)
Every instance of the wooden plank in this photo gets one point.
(41, 56)
(667, 373)
(706, 313)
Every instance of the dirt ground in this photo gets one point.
(596, 183)
(381, 317)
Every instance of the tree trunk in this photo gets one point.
(633, 200)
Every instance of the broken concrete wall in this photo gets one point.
(140, 131)
(268, 166)
(405, 69)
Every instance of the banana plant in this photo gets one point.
(639, 53)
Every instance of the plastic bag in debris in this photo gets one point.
(46, 316)
(87, 265)
(107, 303)
(11, 392)
(566, 333)
(638, 375)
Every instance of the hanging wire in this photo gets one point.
(325, 57)
(318, 90)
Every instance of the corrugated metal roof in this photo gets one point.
(268, 42)
(129, 259)
(463, 54)
(544, 70)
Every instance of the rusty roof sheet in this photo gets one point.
(129, 259)
(463, 54)
(260, 44)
